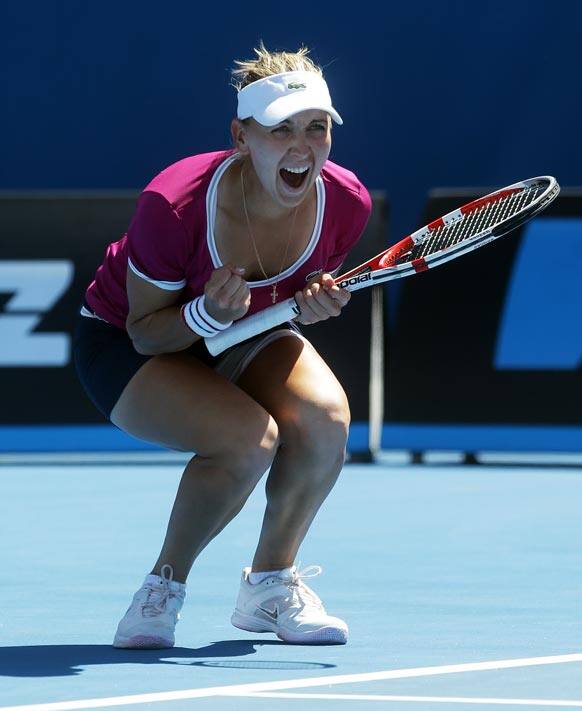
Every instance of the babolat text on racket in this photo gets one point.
(471, 226)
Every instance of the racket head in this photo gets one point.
(462, 230)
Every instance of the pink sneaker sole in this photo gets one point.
(324, 635)
(142, 642)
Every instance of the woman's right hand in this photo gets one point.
(227, 295)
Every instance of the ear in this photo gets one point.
(238, 134)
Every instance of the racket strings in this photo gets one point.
(475, 222)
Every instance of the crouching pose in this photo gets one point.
(215, 237)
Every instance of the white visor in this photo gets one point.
(274, 99)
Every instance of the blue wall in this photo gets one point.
(99, 95)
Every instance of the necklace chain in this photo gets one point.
(274, 289)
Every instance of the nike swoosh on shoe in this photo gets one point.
(271, 615)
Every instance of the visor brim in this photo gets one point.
(286, 106)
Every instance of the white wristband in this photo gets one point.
(197, 318)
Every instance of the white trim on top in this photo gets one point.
(89, 314)
(167, 285)
(211, 197)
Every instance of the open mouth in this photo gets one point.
(294, 177)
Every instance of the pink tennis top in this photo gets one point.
(170, 241)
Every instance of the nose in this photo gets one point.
(300, 145)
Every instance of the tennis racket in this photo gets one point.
(458, 232)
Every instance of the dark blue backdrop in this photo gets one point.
(101, 95)
(448, 93)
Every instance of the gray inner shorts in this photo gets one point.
(234, 362)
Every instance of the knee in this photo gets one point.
(318, 429)
(249, 452)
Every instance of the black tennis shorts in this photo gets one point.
(105, 359)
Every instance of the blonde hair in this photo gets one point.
(268, 63)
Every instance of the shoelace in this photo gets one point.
(299, 591)
(157, 598)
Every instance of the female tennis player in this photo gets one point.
(216, 237)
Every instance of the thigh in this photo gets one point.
(175, 400)
(292, 382)
(179, 402)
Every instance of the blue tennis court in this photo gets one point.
(461, 586)
(170, 171)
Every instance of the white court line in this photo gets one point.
(437, 699)
(242, 689)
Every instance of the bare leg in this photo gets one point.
(201, 510)
(178, 402)
(292, 506)
(312, 413)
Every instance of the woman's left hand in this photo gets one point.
(320, 300)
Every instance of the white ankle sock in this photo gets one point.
(158, 580)
(256, 578)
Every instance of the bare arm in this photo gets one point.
(154, 322)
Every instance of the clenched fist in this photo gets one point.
(227, 295)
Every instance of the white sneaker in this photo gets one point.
(151, 618)
(286, 606)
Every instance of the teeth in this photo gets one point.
(297, 170)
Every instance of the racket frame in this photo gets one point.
(370, 273)
(361, 276)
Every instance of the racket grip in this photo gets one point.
(252, 326)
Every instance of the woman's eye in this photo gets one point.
(281, 129)
(318, 127)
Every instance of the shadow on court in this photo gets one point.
(70, 659)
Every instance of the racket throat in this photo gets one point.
(419, 265)
(397, 253)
